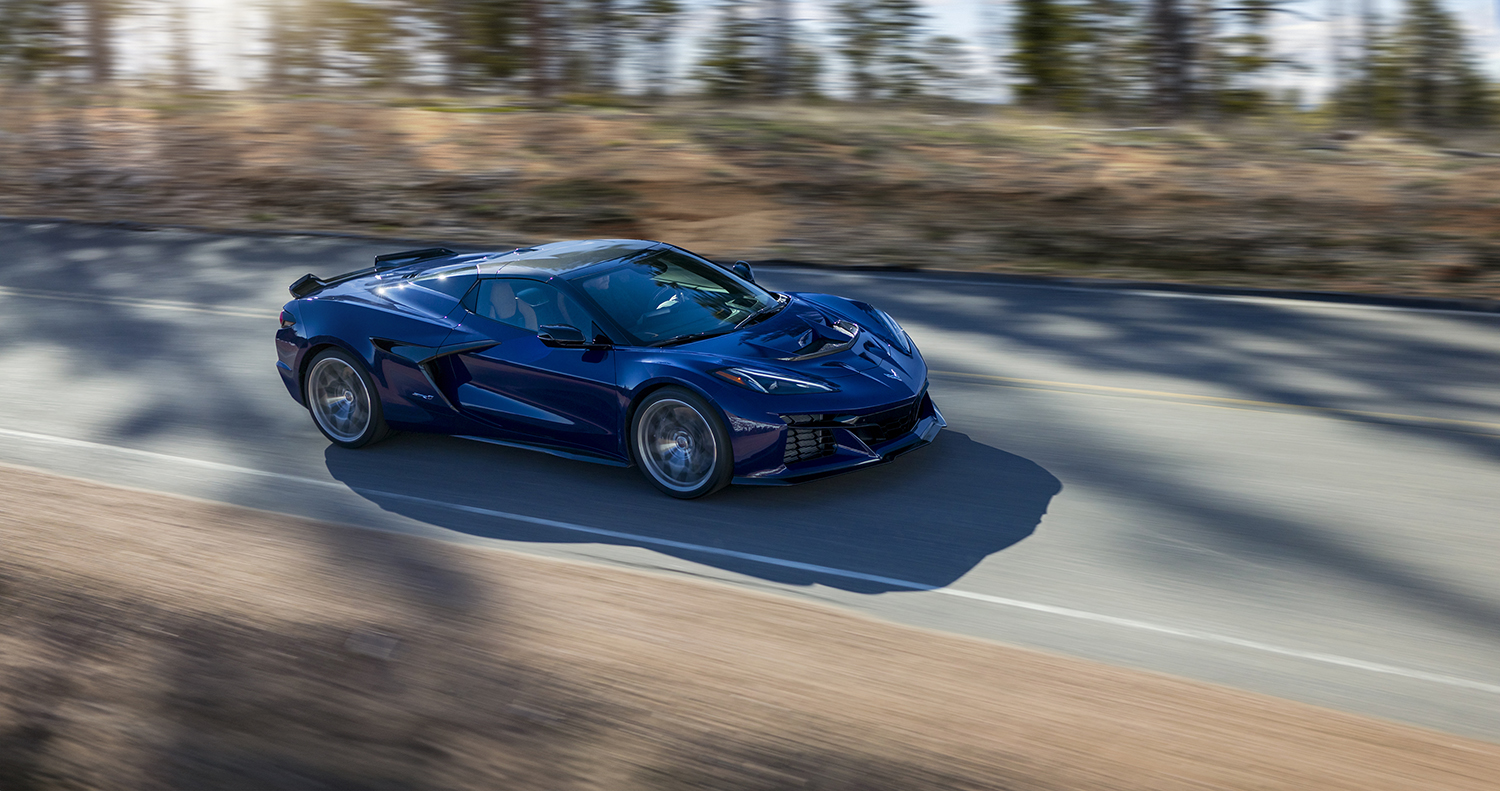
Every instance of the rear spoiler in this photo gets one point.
(310, 284)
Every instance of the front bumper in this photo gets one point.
(852, 449)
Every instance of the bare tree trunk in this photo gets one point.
(659, 70)
(536, 31)
(1172, 56)
(1335, 51)
(1367, 58)
(182, 47)
(608, 47)
(101, 41)
(780, 48)
(453, 45)
(1210, 78)
(276, 66)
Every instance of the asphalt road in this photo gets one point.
(1288, 497)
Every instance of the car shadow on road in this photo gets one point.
(924, 520)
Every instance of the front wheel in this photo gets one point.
(681, 444)
(343, 401)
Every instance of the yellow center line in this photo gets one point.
(1042, 384)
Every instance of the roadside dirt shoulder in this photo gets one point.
(1264, 204)
(148, 641)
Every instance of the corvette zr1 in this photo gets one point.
(621, 352)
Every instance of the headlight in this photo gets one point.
(771, 382)
(893, 331)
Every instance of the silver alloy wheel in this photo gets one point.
(676, 444)
(339, 399)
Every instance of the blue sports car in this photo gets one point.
(613, 351)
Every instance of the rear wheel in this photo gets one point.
(681, 444)
(343, 401)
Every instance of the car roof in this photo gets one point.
(554, 259)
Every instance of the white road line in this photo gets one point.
(148, 304)
(1125, 291)
(1065, 612)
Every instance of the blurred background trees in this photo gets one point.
(1411, 63)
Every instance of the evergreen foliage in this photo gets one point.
(1203, 59)
(654, 22)
(1419, 71)
(730, 67)
(881, 41)
(34, 40)
(1049, 54)
(738, 57)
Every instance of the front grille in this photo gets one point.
(890, 424)
(806, 444)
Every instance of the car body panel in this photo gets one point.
(440, 367)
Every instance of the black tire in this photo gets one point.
(680, 443)
(343, 401)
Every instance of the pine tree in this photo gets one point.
(730, 67)
(882, 40)
(948, 70)
(804, 69)
(1235, 58)
(1045, 60)
(369, 39)
(1419, 71)
(489, 39)
(1110, 61)
(1443, 85)
(34, 39)
(99, 18)
(296, 39)
(1171, 59)
(605, 19)
(655, 21)
(1078, 54)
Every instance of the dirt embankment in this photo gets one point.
(1272, 205)
(154, 642)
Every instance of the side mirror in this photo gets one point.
(742, 269)
(562, 335)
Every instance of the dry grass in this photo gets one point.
(154, 642)
(1274, 204)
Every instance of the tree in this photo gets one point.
(1045, 60)
(605, 18)
(1443, 85)
(655, 21)
(296, 44)
(881, 41)
(1077, 54)
(34, 39)
(99, 17)
(1232, 60)
(368, 41)
(184, 74)
(1418, 71)
(1171, 59)
(731, 67)
(487, 44)
(948, 70)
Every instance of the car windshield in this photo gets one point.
(671, 295)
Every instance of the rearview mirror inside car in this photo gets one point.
(742, 269)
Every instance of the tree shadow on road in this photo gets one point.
(924, 520)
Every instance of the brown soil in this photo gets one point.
(1277, 204)
(154, 642)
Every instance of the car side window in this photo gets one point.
(528, 304)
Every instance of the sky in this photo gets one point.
(219, 34)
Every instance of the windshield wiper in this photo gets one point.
(696, 336)
(764, 313)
